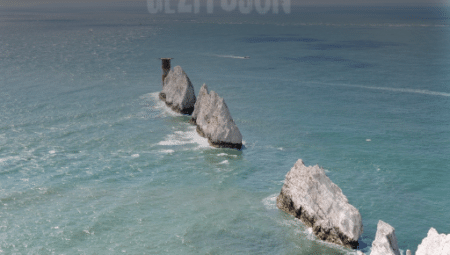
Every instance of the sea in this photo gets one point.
(92, 162)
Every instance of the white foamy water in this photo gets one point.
(167, 151)
(9, 158)
(154, 107)
(270, 202)
(186, 137)
(226, 155)
(225, 162)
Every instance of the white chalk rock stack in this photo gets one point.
(311, 196)
(434, 244)
(213, 120)
(178, 92)
(385, 242)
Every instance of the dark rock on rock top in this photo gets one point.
(385, 242)
(178, 92)
(213, 120)
(311, 196)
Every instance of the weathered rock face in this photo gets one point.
(178, 91)
(213, 120)
(311, 196)
(434, 244)
(385, 242)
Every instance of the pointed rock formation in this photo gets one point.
(178, 92)
(213, 120)
(434, 244)
(311, 196)
(385, 242)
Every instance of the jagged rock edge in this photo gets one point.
(214, 144)
(188, 111)
(323, 234)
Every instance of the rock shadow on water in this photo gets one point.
(178, 119)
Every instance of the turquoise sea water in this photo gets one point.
(91, 162)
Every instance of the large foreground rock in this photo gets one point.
(434, 244)
(385, 242)
(311, 196)
(178, 91)
(213, 120)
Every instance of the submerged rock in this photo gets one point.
(213, 120)
(311, 196)
(385, 242)
(434, 244)
(178, 92)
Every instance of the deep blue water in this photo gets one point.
(91, 162)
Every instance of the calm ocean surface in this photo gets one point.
(91, 162)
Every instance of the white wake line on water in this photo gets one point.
(232, 56)
(333, 24)
(404, 90)
(367, 24)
